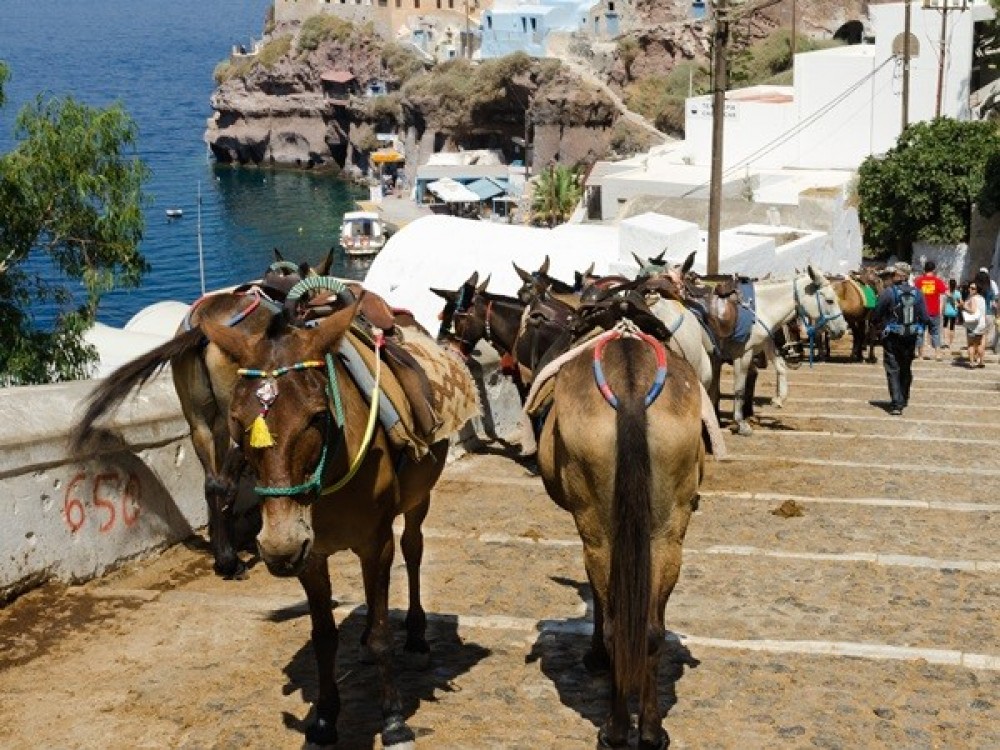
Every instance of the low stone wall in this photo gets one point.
(137, 489)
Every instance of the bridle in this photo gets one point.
(268, 392)
(813, 328)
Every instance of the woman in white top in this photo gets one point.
(974, 317)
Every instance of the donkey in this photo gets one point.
(621, 449)
(204, 377)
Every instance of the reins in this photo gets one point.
(260, 436)
(821, 321)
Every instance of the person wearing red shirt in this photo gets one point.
(932, 287)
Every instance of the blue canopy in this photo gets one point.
(485, 188)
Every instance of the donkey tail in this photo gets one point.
(112, 390)
(631, 558)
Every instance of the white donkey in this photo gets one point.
(809, 297)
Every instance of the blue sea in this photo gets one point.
(156, 58)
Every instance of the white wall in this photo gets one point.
(750, 126)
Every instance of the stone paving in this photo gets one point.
(839, 590)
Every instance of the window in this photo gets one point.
(611, 7)
(524, 24)
(489, 22)
(534, 24)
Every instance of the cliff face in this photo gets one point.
(280, 115)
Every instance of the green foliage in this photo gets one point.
(628, 51)
(627, 139)
(556, 194)
(384, 110)
(660, 99)
(71, 204)
(274, 50)
(763, 60)
(320, 28)
(401, 62)
(925, 187)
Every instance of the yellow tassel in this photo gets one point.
(260, 436)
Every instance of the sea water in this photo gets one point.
(156, 58)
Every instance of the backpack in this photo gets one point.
(904, 313)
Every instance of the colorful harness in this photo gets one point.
(267, 392)
(627, 329)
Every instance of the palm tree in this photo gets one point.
(556, 194)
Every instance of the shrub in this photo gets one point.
(318, 29)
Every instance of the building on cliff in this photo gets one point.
(790, 153)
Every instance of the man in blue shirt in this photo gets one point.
(901, 316)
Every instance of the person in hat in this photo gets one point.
(988, 289)
(901, 315)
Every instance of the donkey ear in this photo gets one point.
(446, 294)
(277, 255)
(816, 276)
(660, 260)
(639, 261)
(545, 266)
(323, 269)
(327, 334)
(525, 276)
(473, 280)
(237, 345)
(481, 289)
(688, 262)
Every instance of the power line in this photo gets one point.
(795, 129)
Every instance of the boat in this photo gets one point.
(362, 233)
(175, 213)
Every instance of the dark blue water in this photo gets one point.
(156, 58)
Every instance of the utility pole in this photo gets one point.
(720, 43)
(941, 55)
(906, 65)
(795, 34)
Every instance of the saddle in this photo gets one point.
(375, 313)
(623, 301)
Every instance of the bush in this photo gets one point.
(274, 50)
(402, 62)
(320, 28)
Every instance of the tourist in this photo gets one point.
(974, 316)
(988, 289)
(901, 316)
(952, 304)
(932, 287)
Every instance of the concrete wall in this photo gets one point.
(73, 518)
(140, 488)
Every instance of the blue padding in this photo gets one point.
(360, 374)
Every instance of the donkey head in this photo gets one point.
(456, 305)
(817, 299)
(280, 416)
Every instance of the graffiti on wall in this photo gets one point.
(104, 501)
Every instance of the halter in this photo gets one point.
(268, 392)
(627, 329)
(821, 321)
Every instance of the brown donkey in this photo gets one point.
(203, 379)
(331, 479)
(626, 461)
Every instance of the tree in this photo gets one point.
(925, 187)
(70, 224)
(557, 191)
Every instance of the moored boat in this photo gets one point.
(362, 233)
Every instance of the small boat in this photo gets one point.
(175, 213)
(362, 233)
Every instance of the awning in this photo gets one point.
(337, 76)
(387, 157)
(485, 188)
(451, 191)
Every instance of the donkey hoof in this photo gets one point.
(661, 742)
(396, 735)
(777, 403)
(609, 738)
(743, 429)
(231, 570)
(322, 732)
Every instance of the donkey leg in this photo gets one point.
(597, 660)
(780, 376)
(741, 366)
(220, 496)
(315, 579)
(375, 566)
(412, 543)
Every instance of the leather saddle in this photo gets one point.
(375, 313)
